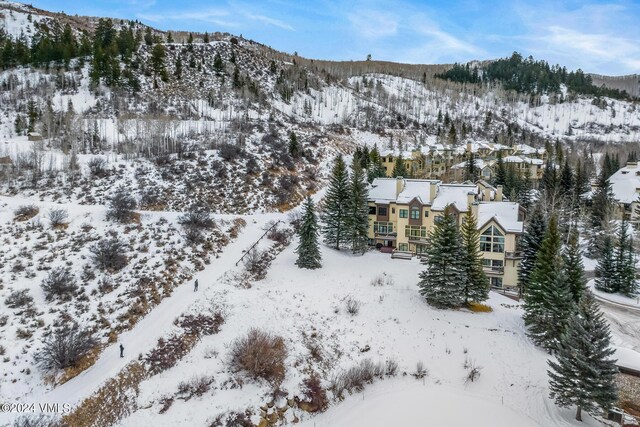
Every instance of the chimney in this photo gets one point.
(474, 210)
(486, 194)
(433, 190)
(399, 185)
(471, 198)
(499, 193)
(468, 147)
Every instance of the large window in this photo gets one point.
(415, 213)
(382, 211)
(496, 282)
(382, 227)
(404, 213)
(496, 265)
(415, 231)
(492, 240)
(403, 247)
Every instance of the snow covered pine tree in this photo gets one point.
(308, 250)
(442, 282)
(584, 373)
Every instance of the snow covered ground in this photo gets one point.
(393, 322)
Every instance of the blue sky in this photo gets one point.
(597, 36)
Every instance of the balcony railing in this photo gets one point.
(513, 255)
(493, 270)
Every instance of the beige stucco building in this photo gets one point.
(402, 212)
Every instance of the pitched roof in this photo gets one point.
(453, 194)
(504, 213)
(624, 183)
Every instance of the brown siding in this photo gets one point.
(382, 217)
(415, 204)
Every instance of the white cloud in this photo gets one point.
(212, 16)
(270, 21)
(602, 38)
(371, 24)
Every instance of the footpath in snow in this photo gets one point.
(145, 334)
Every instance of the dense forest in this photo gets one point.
(526, 75)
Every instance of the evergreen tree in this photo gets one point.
(308, 250)
(358, 209)
(476, 285)
(294, 146)
(547, 300)
(336, 209)
(566, 180)
(605, 270)
(399, 168)
(218, 65)
(549, 179)
(471, 170)
(530, 243)
(625, 262)
(584, 373)
(376, 169)
(574, 269)
(603, 206)
(206, 37)
(501, 171)
(441, 284)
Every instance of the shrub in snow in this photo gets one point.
(473, 371)
(25, 212)
(278, 235)
(59, 283)
(98, 167)
(108, 254)
(391, 368)
(151, 196)
(382, 280)
(355, 378)
(315, 396)
(229, 152)
(168, 352)
(64, 348)
(353, 306)
(201, 324)
(196, 386)
(121, 206)
(36, 420)
(256, 262)
(197, 218)
(58, 217)
(17, 299)
(421, 371)
(260, 354)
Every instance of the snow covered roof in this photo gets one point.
(625, 182)
(522, 159)
(453, 194)
(528, 150)
(383, 190)
(416, 188)
(479, 164)
(504, 213)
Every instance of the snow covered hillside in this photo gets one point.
(309, 310)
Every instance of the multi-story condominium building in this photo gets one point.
(440, 161)
(625, 184)
(402, 212)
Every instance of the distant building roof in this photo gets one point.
(625, 182)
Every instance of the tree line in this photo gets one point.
(527, 75)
